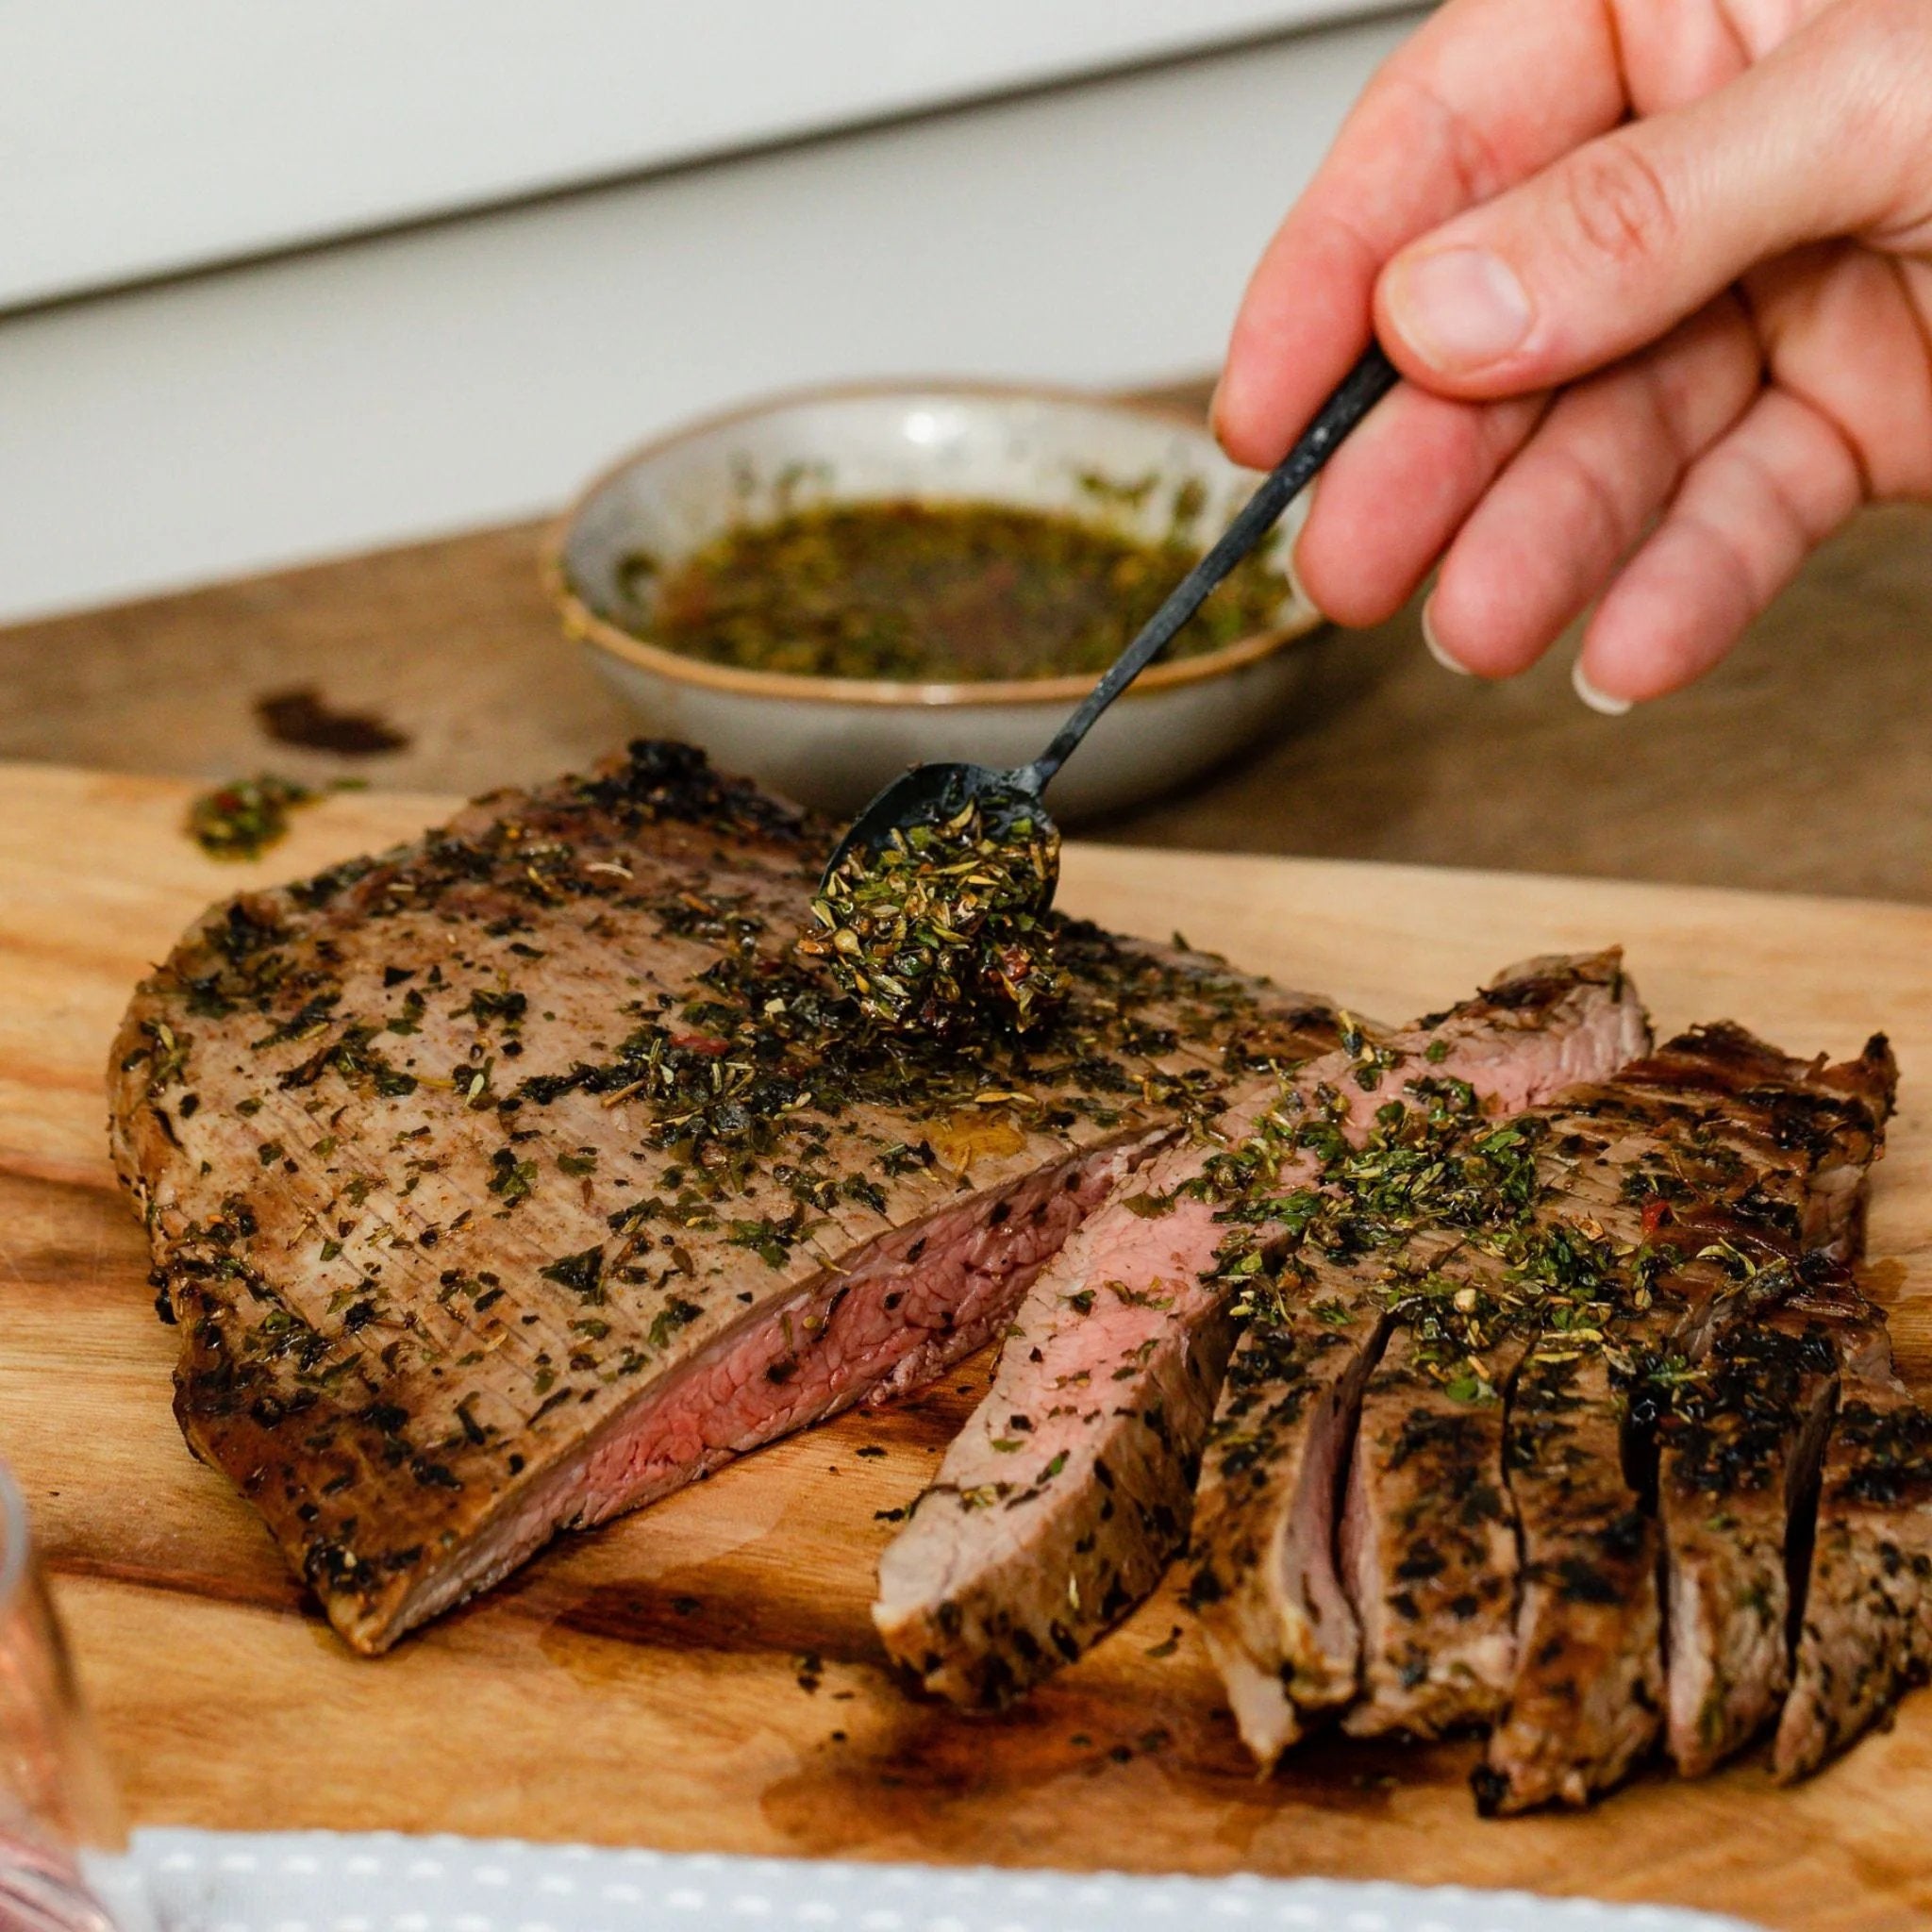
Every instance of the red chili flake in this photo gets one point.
(1655, 1212)
(701, 1043)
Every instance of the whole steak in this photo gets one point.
(520, 1175)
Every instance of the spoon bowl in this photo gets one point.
(932, 794)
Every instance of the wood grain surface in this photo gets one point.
(704, 1674)
(1803, 763)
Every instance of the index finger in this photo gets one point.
(1483, 95)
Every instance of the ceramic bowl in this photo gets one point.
(833, 742)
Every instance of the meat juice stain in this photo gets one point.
(899, 1766)
(923, 1774)
(303, 717)
(1116, 1733)
(1882, 1281)
(911, 1770)
(689, 1615)
(1887, 1284)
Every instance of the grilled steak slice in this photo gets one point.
(518, 1177)
(1589, 1678)
(1063, 1499)
(1738, 1474)
(1863, 1643)
(1428, 1536)
(1282, 1631)
(1730, 1160)
(1865, 1631)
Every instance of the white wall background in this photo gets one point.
(144, 136)
(431, 379)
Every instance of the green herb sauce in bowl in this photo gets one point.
(934, 594)
(827, 588)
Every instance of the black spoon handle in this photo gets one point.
(1359, 391)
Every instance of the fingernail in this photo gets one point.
(1435, 644)
(1457, 308)
(1597, 700)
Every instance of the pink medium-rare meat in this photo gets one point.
(884, 1326)
(1068, 1493)
(1065, 1497)
(516, 1176)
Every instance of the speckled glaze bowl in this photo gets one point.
(832, 742)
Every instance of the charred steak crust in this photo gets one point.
(1429, 1538)
(1563, 1299)
(1732, 1163)
(518, 1175)
(1358, 1171)
(1862, 1589)
(1739, 1454)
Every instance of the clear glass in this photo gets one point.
(58, 1817)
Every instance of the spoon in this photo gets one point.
(929, 794)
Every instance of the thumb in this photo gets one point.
(1611, 246)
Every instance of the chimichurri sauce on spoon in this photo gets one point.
(942, 928)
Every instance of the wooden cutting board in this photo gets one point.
(704, 1675)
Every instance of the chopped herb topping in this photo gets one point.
(943, 928)
(582, 1273)
(245, 817)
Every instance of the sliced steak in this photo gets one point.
(1282, 1631)
(1865, 1628)
(1430, 1533)
(1428, 1536)
(1539, 1287)
(1066, 1495)
(1588, 1678)
(1272, 1610)
(1740, 1449)
(517, 1176)
(1061, 1501)
(1732, 1160)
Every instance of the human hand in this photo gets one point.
(1658, 274)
